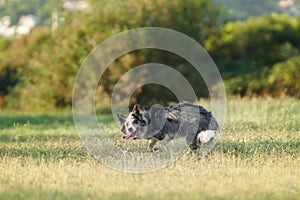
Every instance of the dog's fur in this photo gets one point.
(163, 124)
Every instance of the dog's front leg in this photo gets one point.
(151, 144)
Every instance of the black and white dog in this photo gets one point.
(163, 124)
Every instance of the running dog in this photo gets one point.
(163, 124)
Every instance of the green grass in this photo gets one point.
(257, 157)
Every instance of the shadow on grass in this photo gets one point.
(255, 148)
(42, 152)
(42, 137)
(44, 120)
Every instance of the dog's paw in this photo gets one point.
(193, 147)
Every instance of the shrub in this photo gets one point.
(284, 78)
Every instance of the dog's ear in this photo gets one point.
(135, 110)
(121, 118)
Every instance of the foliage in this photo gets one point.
(37, 71)
(284, 78)
(49, 61)
(245, 52)
(242, 9)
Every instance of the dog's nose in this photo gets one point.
(130, 129)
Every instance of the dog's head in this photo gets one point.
(133, 125)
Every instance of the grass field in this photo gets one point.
(257, 157)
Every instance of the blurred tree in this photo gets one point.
(50, 61)
(37, 71)
(246, 51)
(193, 18)
(284, 78)
(243, 9)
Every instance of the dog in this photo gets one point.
(163, 124)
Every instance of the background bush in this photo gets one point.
(246, 53)
(44, 64)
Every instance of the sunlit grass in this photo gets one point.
(257, 157)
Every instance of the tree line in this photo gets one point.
(257, 57)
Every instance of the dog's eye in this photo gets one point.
(135, 121)
(123, 129)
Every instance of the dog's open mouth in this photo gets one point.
(129, 135)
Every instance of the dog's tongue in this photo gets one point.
(126, 137)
